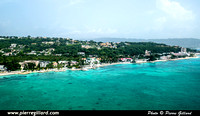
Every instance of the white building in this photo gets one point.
(92, 61)
(2, 68)
(50, 49)
(50, 43)
(58, 54)
(1, 51)
(7, 54)
(64, 63)
(147, 53)
(13, 45)
(180, 54)
(86, 46)
(81, 53)
(32, 53)
(183, 50)
(163, 58)
(74, 62)
(43, 64)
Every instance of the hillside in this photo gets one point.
(185, 42)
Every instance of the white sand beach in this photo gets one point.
(87, 67)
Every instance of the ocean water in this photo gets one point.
(171, 85)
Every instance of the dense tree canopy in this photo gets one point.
(69, 49)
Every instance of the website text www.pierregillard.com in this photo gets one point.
(33, 113)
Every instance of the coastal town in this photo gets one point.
(85, 58)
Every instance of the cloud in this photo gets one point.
(175, 10)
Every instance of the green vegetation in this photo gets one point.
(29, 66)
(12, 66)
(50, 65)
(66, 49)
(152, 57)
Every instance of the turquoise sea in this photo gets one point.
(171, 85)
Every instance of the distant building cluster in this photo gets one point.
(91, 61)
(44, 64)
(163, 56)
(182, 53)
(86, 46)
(50, 43)
(109, 44)
(15, 48)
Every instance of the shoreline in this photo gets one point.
(88, 68)
(173, 59)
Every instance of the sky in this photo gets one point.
(77, 19)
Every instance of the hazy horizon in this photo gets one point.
(89, 19)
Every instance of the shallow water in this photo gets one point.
(172, 85)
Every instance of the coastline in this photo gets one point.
(173, 59)
(102, 65)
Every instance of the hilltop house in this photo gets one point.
(84, 59)
(86, 46)
(50, 43)
(7, 54)
(13, 45)
(93, 56)
(32, 53)
(1, 51)
(33, 43)
(107, 44)
(81, 53)
(50, 49)
(57, 54)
